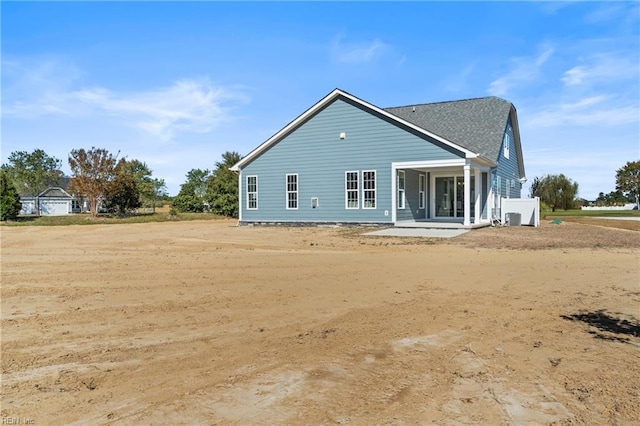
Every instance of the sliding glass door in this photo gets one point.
(449, 196)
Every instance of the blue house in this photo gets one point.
(345, 160)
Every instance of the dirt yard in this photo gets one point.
(206, 323)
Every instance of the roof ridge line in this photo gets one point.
(447, 102)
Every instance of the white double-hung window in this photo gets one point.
(506, 144)
(401, 185)
(252, 192)
(292, 191)
(351, 190)
(422, 184)
(368, 189)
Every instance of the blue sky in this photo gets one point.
(177, 84)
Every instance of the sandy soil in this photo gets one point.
(206, 323)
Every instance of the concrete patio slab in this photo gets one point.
(417, 232)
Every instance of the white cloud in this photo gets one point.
(188, 105)
(585, 115)
(552, 7)
(522, 71)
(612, 12)
(602, 68)
(357, 52)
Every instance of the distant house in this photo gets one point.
(345, 160)
(53, 201)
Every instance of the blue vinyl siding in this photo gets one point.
(316, 153)
(412, 208)
(508, 167)
(484, 178)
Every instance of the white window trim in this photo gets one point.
(375, 190)
(422, 180)
(287, 192)
(357, 190)
(401, 192)
(248, 192)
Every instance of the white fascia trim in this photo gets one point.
(513, 114)
(483, 161)
(323, 102)
(441, 163)
(428, 164)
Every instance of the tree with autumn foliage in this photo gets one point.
(92, 171)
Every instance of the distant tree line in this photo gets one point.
(117, 185)
(560, 192)
(109, 183)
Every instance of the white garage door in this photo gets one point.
(54, 208)
(28, 207)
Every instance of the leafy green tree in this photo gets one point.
(192, 192)
(614, 198)
(33, 172)
(222, 186)
(628, 181)
(122, 193)
(159, 192)
(188, 203)
(92, 171)
(142, 176)
(556, 191)
(10, 204)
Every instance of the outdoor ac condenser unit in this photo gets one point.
(513, 219)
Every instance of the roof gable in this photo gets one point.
(54, 192)
(331, 97)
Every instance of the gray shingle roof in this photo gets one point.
(475, 124)
(54, 192)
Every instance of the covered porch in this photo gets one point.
(445, 194)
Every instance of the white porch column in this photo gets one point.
(467, 194)
(394, 179)
(478, 189)
(489, 200)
